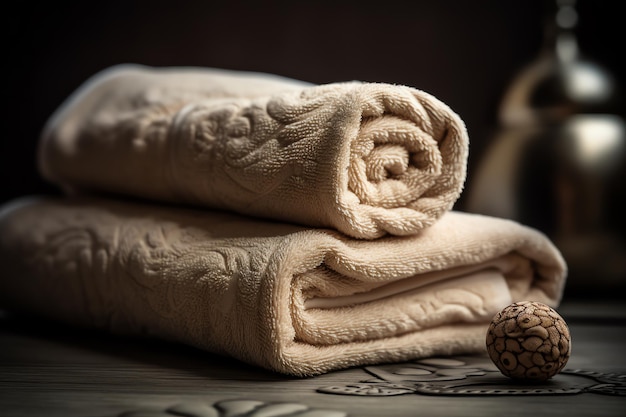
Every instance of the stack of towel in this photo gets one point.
(301, 228)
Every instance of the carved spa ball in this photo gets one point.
(529, 341)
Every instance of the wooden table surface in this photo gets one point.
(50, 370)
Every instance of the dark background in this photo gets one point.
(464, 52)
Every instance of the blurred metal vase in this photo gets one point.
(558, 160)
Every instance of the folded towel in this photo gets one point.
(294, 300)
(368, 159)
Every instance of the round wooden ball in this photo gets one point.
(529, 340)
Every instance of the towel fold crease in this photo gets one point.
(292, 299)
(367, 159)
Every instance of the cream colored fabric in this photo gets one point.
(294, 300)
(368, 159)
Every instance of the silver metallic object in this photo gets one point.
(558, 161)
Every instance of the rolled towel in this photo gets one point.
(368, 159)
(293, 300)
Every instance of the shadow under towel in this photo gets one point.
(293, 300)
(368, 159)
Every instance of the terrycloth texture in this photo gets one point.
(368, 159)
(294, 300)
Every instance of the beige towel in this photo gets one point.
(294, 300)
(367, 159)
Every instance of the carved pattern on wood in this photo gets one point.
(472, 375)
(235, 408)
